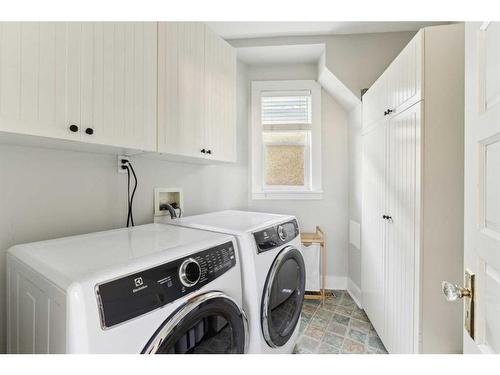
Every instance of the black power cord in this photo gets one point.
(130, 198)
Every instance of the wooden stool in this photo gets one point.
(308, 239)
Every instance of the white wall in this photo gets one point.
(332, 212)
(355, 192)
(355, 59)
(48, 193)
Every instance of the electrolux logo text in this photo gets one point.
(139, 285)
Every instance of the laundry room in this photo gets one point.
(190, 184)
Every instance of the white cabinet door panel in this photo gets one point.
(118, 89)
(374, 103)
(39, 78)
(402, 239)
(373, 234)
(404, 76)
(399, 87)
(220, 105)
(181, 88)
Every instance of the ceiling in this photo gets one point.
(296, 54)
(243, 30)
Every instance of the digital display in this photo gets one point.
(278, 235)
(133, 295)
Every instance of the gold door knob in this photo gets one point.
(453, 292)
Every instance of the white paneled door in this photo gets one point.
(373, 237)
(402, 239)
(482, 184)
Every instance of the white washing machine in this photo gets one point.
(273, 273)
(147, 289)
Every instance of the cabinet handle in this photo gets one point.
(89, 131)
(389, 111)
(209, 151)
(384, 217)
(73, 128)
(203, 151)
(385, 113)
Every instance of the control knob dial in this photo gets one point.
(189, 272)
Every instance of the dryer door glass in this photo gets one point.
(283, 297)
(208, 324)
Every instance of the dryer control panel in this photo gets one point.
(130, 296)
(278, 235)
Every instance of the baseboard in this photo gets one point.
(336, 282)
(345, 283)
(355, 291)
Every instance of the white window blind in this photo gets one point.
(286, 109)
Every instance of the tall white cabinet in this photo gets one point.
(412, 227)
(88, 81)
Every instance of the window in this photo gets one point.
(286, 140)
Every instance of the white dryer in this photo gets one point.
(273, 273)
(147, 289)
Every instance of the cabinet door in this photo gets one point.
(404, 76)
(118, 85)
(399, 87)
(374, 226)
(374, 103)
(220, 104)
(181, 88)
(402, 230)
(40, 78)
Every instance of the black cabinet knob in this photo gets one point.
(389, 111)
(384, 217)
(203, 151)
(209, 151)
(73, 128)
(89, 131)
(385, 113)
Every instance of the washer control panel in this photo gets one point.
(130, 296)
(278, 235)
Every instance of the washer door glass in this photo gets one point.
(283, 297)
(208, 324)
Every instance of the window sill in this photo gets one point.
(288, 195)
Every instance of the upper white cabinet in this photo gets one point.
(412, 222)
(399, 87)
(196, 92)
(165, 87)
(90, 81)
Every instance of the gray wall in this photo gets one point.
(331, 212)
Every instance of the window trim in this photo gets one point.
(257, 155)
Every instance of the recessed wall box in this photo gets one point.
(172, 196)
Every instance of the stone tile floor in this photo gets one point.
(338, 326)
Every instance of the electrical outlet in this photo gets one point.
(120, 158)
